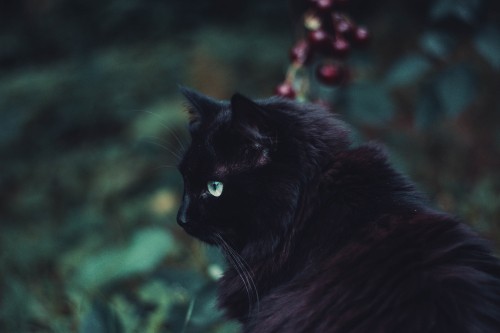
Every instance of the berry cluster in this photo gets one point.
(328, 37)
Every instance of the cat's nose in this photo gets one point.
(181, 218)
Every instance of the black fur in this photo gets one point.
(323, 236)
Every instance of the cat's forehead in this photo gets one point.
(204, 155)
(223, 157)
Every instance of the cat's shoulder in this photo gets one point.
(428, 273)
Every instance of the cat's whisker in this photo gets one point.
(160, 140)
(240, 259)
(169, 129)
(243, 261)
(243, 276)
(179, 150)
(228, 251)
(236, 266)
(247, 273)
(241, 273)
(245, 270)
(179, 141)
(176, 155)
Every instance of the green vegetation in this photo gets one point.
(91, 123)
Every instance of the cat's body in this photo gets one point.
(322, 236)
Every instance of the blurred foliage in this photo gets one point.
(91, 126)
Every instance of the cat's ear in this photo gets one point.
(201, 108)
(249, 117)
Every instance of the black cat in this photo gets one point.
(322, 236)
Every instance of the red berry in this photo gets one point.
(341, 47)
(361, 36)
(324, 6)
(285, 89)
(337, 17)
(318, 39)
(330, 74)
(301, 52)
(343, 27)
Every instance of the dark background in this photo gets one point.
(91, 123)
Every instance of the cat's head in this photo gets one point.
(247, 164)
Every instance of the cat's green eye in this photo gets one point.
(215, 188)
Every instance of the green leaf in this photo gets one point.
(487, 43)
(437, 44)
(101, 319)
(407, 70)
(427, 109)
(369, 103)
(464, 10)
(205, 309)
(146, 250)
(455, 89)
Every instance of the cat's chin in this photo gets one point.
(202, 235)
(206, 239)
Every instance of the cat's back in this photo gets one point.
(427, 273)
